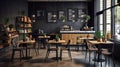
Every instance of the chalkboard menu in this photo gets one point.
(62, 16)
(81, 13)
(52, 16)
(72, 15)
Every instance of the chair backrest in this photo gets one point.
(68, 43)
(15, 42)
(79, 40)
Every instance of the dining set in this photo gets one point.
(59, 45)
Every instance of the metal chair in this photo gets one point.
(66, 47)
(15, 47)
(106, 53)
(49, 49)
(90, 49)
(80, 43)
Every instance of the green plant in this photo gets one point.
(87, 18)
(57, 37)
(44, 34)
(63, 18)
(6, 20)
(98, 34)
(11, 26)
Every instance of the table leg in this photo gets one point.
(26, 50)
(99, 59)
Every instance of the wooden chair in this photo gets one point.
(65, 47)
(90, 49)
(32, 45)
(80, 43)
(49, 49)
(16, 48)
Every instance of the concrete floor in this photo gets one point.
(78, 60)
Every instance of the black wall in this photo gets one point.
(11, 8)
(41, 22)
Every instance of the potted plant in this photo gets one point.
(98, 36)
(44, 34)
(57, 37)
(104, 37)
(87, 18)
(11, 26)
(6, 21)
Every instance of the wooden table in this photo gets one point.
(95, 42)
(44, 38)
(56, 43)
(26, 44)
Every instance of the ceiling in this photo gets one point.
(59, 0)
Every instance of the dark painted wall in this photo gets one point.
(56, 6)
(11, 8)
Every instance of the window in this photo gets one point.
(105, 18)
(117, 21)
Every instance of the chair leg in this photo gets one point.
(29, 51)
(20, 54)
(36, 51)
(61, 54)
(85, 54)
(89, 56)
(13, 53)
(69, 52)
(47, 54)
(57, 55)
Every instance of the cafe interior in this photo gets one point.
(59, 33)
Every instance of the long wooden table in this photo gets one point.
(95, 42)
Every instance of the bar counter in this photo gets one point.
(72, 35)
(78, 31)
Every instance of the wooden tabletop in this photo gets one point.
(54, 41)
(96, 42)
(30, 41)
(43, 36)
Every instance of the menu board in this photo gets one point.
(72, 15)
(62, 16)
(52, 16)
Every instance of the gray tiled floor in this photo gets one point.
(78, 57)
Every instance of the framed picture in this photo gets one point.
(61, 16)
(40, 14)
(52, 16)
(72, 14)
(81, 15)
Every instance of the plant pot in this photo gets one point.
(57, 39)
(99, 40)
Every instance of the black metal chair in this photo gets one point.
(91, 49)
(80, 43)
(65, 47)
(16, 48)
(49, 49)
(109, 52)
